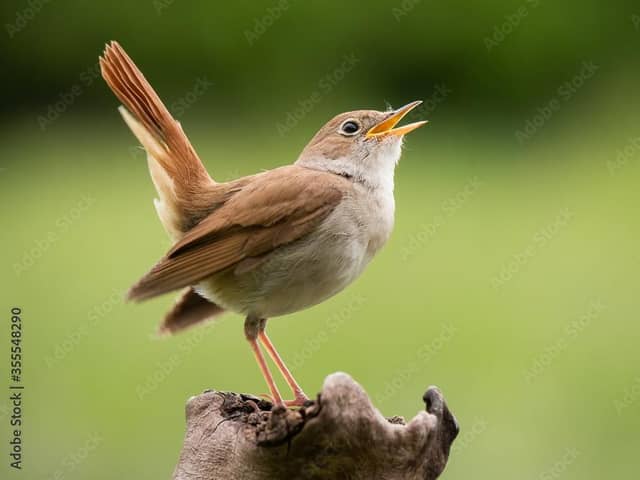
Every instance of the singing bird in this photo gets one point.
(268, 244)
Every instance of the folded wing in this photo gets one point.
(274, 209)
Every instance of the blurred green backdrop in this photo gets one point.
(511, 279)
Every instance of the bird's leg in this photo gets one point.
(299, 397)
(252, 327)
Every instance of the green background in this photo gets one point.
(510, 281)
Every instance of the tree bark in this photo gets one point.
(340, 435)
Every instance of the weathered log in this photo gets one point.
(340, 435)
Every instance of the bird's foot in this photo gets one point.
(300, 401)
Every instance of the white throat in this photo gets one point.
(375, 170)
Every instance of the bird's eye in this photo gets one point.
(350, 127)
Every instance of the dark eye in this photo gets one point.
(350, 127)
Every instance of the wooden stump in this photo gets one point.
(340, 435)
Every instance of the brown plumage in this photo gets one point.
(218, 225)
(268, 244)
(176, 154)
(276, 208)
(189, 310)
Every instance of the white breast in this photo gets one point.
(310, 270)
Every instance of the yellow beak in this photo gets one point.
(385, 127)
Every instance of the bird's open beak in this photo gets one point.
(385, 127)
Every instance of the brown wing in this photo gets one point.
(273, 209)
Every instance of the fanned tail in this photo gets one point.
(176, 170)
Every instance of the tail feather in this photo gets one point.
(190, 309)
(175, 168)
(169, 207)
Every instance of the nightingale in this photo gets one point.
(268, 244)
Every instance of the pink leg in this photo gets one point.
(277, 398)
(300, 397)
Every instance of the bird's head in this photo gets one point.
(364, 145)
